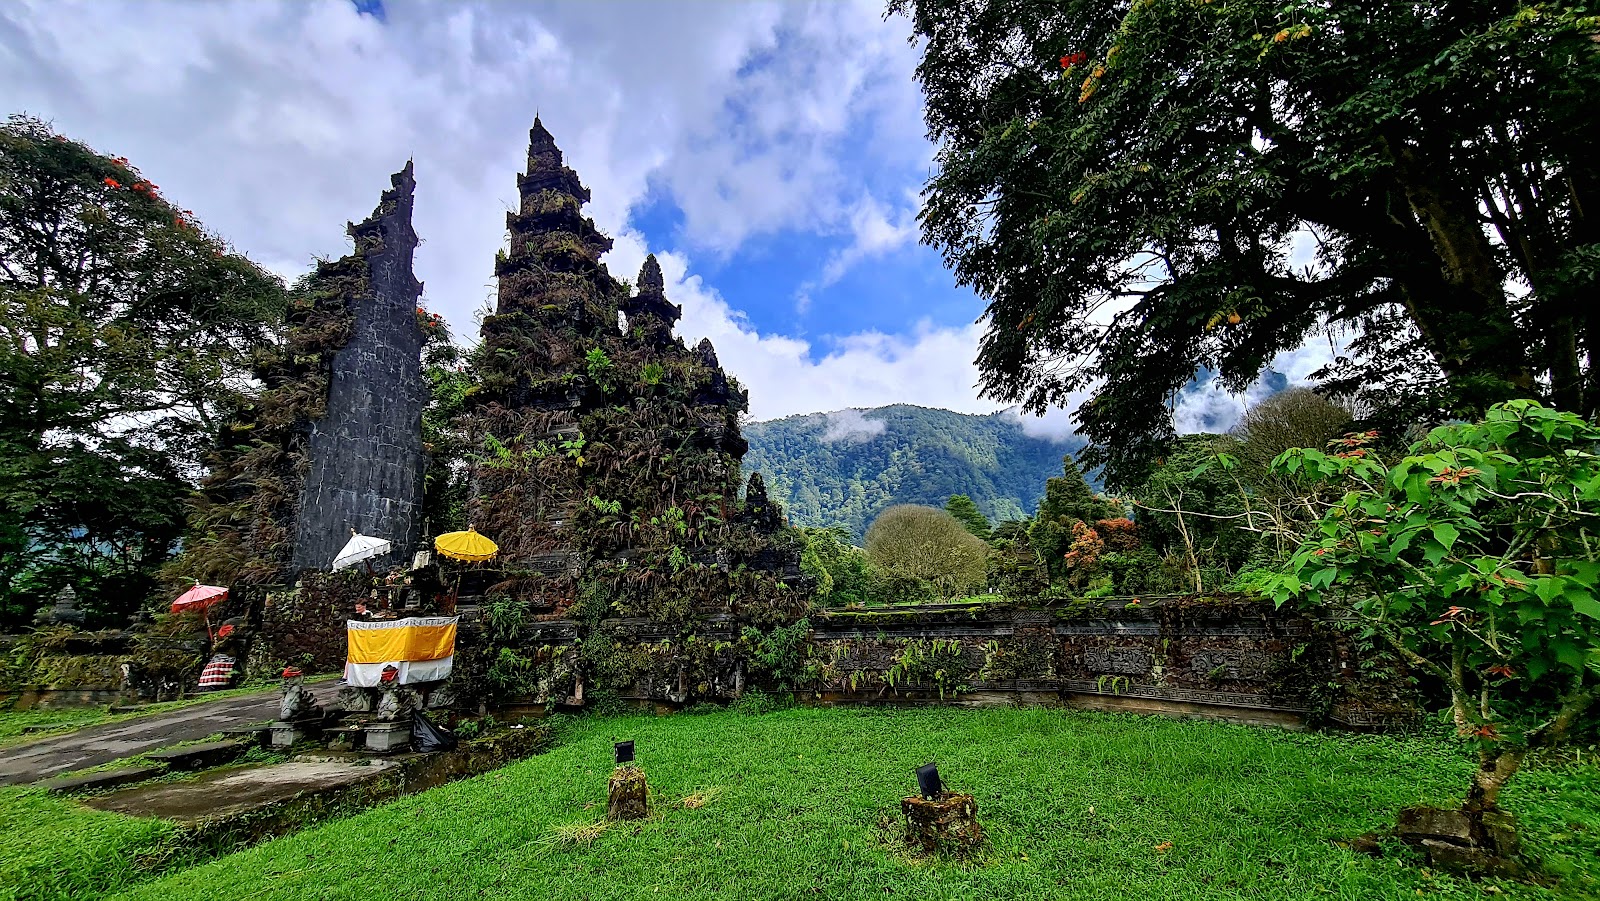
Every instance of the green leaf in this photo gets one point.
(1585, 603)
(1446, 534)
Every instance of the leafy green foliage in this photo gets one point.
(938, 662)
(128, 334)
(841, 570)
(1192, 513)
(1473, 557)
(1068, 499)
(780, 653)
(962, 508)
(922, 456)
(1134, 216)
(450, 385)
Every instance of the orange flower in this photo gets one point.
(1502, 670)
(1164, 846)
(1452, 476)
(113, 183)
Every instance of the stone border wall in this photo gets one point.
(1226, 658)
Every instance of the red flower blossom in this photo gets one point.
(113, 183)
(1502, 670)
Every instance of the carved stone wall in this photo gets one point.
(1231, 659)
(366, 457)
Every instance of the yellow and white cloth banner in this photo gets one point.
(421, 648)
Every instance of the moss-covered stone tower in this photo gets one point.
(333, 441)
(608, 468)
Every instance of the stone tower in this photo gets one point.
(610, 465)
(366, 452)
(333, 441)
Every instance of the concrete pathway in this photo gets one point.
(95, 745)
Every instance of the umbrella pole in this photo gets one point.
(205, 617)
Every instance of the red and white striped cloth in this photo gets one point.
(218, 672)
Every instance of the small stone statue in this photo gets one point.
(296, 702)
(64, 613)
(396, 703)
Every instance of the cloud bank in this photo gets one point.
(279, 122)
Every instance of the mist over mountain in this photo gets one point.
(846, 466)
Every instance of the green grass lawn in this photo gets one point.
(1077, 805)
(57, 721)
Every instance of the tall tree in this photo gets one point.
(1068, 499)
(125, 330)
(1135, 189)
(962, 508)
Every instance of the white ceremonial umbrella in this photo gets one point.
(359, 548)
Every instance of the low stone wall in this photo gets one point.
(1229, 657)
(45, 698)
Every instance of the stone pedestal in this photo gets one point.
(285, 733)
(947, 824)
(387, 738)
(630, 794)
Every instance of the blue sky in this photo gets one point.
(770, 153)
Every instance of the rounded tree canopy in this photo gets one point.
(927, 543)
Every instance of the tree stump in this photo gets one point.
(948, 824)
(630, 794)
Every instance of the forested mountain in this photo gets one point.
(847, 466)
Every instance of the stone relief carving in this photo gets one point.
(1124, 661)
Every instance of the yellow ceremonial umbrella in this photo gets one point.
(468, 546)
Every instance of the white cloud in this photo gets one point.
(932, 366)
(769, 160)
(851, 427)
(277, 123)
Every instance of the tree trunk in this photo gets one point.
(1454, 289)
(1495, 769)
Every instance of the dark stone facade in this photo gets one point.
(366, 455)
(1227, 658)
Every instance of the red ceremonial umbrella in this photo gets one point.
(200, 597)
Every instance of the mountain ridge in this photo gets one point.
(846, 466)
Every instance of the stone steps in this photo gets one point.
(202, 756)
